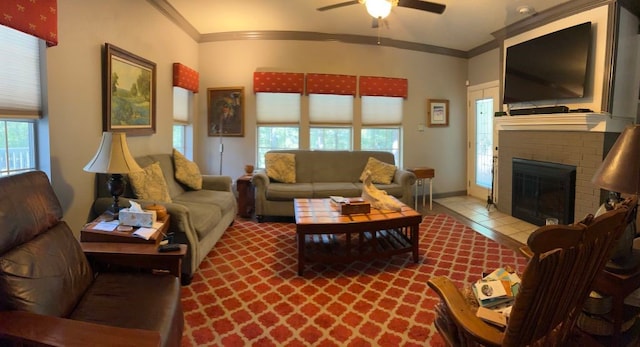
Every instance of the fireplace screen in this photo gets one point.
(543, 190)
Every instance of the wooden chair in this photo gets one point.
(555, 284)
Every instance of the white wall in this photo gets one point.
(627, 67)
(232, 63)
(484, 67)
(74, 73)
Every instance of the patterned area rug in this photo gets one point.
(247, 291)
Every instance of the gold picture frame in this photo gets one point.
(225, 111)
(129, 93)
(437, 112)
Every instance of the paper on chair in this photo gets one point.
(144, 233)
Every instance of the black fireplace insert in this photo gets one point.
(542, 190)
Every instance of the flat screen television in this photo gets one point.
(549, 67)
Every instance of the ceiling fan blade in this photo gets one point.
(340, 4)
(422, 5)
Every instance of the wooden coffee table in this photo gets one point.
(324, 235)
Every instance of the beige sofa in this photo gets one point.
(320, 174)
(198, 217)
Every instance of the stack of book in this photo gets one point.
(495, 293)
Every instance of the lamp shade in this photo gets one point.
(620, 170)
(378, 8)
(113, 156)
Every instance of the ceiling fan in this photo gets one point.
(379, 9)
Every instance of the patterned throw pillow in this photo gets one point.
(149, 184)
(381, 172)
(187, 172)
(281, 167)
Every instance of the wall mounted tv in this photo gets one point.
(549, 67)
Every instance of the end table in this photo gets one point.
(423, 173)
(246, 196)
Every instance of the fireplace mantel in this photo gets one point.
(593, 122)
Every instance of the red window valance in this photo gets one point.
(185, 77)
(37, 18)
(331, 84)
(383, 86)
(278, 82)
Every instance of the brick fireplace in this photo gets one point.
(580, 140)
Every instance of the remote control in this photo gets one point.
(169, 247)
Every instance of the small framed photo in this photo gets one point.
(225, 111)
(437, 112)
(129, 93)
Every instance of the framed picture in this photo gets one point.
(129, 93)
(437, 113)
(225, 111)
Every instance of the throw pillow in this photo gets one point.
(281, 167)
(187, 172)
(149, 184)
(381, 172)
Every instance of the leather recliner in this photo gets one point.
(50, 295)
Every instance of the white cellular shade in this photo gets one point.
(277, 108)
(381, 110)
(181, 104)
(20, 91)
(330, 109)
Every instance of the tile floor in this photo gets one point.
(476, 210)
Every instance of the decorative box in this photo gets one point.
(137, 218)
(355, 207)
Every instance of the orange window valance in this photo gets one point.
(383, 86)
(185, 77)
(331, 84)
(278, 82)
(37, 18)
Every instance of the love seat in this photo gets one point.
(320, 174)
(49, 294)
(198, 218)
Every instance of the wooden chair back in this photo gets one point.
(558, 278)
(565, 260)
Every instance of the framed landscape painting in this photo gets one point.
(225, 111)
(437, 113)
(129, 93)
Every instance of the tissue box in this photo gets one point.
(137, 218)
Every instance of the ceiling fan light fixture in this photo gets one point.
(378, 8)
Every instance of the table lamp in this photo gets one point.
(620, 173)
(113, 158)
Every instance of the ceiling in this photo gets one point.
(464, 25)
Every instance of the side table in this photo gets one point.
(124, 249)
(423, 173)
(246, 196)
(144, 256)
(618, 286)
(89, 233)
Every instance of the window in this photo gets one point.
(381, 124)
(20, 100)
(179, 131)
(331, 138)
(17, 152)
(182, 100)
(278, 116)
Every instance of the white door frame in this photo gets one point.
(483, 90)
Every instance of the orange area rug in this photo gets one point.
(247, 291)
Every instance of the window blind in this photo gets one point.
(277, 108)
(381, 110)
(330, 109)
(181, 105)
(20, 90)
